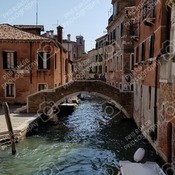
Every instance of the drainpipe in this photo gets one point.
(155, 97)
(31, 62)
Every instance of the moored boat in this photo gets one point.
(66, 108)
(133, 168)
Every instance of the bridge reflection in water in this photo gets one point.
(85, 142)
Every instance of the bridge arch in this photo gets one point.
(107, 99)
(121, 100)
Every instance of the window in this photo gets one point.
(95, 71)
(43, 60)
(114, 34)
(151, 48)
(137, 54)
(117, 63)
(121, 62)
(108, 37)
(153, 12)
(132, 61)
(100, 69)
(120, 86)
(143, 51)
(149, 97)
(9, 60)
(96, 57)
(111, 37)
(145, 9)
(106, 69)
(121, 29)
(10, 90)
(42, 87)
(115, 9)
(100, 58)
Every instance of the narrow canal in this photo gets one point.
(87, 142)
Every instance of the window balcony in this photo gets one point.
(149, 21)
(149, 15)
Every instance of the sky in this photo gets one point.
(88, 18)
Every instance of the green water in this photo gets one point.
(87, 142)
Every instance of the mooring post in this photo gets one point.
(9, 126)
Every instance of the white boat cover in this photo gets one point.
(147, 168)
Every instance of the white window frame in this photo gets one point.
(14, 91)
(42, 84)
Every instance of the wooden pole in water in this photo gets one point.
(9, 126)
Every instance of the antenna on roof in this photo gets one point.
(56, 23)
(36, 12)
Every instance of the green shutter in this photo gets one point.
(151, 49)
(48, 60)
(4, 60)
(40, 60)
(15, 59)
(153, 38)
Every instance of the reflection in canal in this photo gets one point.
(85, 142)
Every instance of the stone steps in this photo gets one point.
(22, 109)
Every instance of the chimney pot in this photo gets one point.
(51, 33)
(68, 37)
(47, 33)
(60, 34)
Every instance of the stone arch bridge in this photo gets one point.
(122, 100)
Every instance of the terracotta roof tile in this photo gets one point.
(8, 32)
(41, 27)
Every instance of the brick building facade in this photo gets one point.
(29, 62)
(120, 52)
(153, 94)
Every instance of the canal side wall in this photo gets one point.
(36, 102)
(22, 124)
(144, 118)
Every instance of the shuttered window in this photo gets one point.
(137, 54)
(121, 29)
(9, 60)
(151, 48)
(10, 90)
(43, 60)
(143, 51)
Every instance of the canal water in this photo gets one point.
(90, 141)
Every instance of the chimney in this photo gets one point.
(68, 37)
(51, 33)
(60, 34)
(47, 33)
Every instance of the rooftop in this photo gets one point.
(8, 32)
(39, 27)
